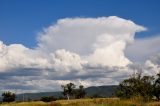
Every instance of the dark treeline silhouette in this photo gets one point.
(146, 87)
(8, 96)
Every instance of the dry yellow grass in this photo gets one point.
(153, 104)
(39, 103)
(87, 102)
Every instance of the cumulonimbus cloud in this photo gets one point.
(101, 41)
(84, 50)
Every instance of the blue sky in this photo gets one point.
(21, 20)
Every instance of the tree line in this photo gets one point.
(69, 91)
(145, 86)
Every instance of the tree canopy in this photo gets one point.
(138, 85)
(70, 90)
(8, 96)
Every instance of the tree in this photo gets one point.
(156, 86)
(80, 92)
(137, 85)
(147, 87)
(8, 96)
(68, 90)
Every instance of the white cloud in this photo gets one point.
(16, 56)
(153, 64)
(146, 52)
(80, 50)
(110, 55)
(67, 61)
(141, 49)
(101, 40)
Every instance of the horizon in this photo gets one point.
(44, 44)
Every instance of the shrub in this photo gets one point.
(48, 99)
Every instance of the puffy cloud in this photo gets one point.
(146, 52)
(111, 55)
(153, 64)
(16, 56)
(67, 61)
(85, 51)
(101, 40)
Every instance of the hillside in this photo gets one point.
(103, 91)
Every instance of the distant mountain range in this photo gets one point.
(100, 91)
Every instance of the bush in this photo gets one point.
(95, 96)
(48, 99)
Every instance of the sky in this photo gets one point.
(47, 43)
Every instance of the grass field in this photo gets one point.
(87, 102)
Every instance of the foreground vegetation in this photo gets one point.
(89, 102)
(147, 87)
